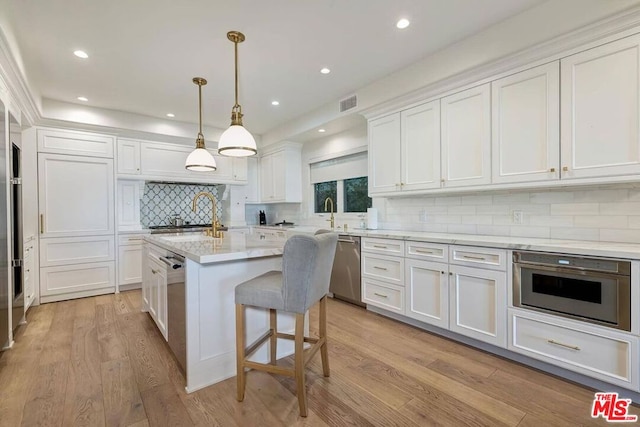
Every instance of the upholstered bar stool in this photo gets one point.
(307, 262)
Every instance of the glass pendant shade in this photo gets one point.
(200, 160)
(236, 141)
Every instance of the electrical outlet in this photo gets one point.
(517, 217)
(422, 216)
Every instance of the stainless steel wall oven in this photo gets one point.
(596, 290)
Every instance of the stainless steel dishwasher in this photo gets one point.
(345, 276)
(176, 313)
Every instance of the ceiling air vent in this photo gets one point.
(348, 103)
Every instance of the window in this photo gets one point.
(356, 197)
(344, 179)
(322, 190)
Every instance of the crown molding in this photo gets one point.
(614, 27)
(19, 90)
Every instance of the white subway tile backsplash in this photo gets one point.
(619, 235)
(574, 233)
(610, 213)
(575, 209)
(613, 221)
(528, 231)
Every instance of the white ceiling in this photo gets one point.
(144, 53)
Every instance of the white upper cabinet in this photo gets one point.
(420, 144)
(526, 125)
(384, 154)
(74, 142)
(466, 137)
(600, 98)
(281, 174)
(128, 157)
(75, 195)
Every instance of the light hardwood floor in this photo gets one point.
(100, 361)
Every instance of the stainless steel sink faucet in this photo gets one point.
(215, 224)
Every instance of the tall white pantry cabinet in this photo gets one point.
(76, 214)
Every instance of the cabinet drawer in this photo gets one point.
(608, 356)
(75, 281)
(383, 246)
(382, 267)
(494, 259)
(131, 239)
(427, 251)
(76, 250)
(383, 295)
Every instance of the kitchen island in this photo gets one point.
(200, 298)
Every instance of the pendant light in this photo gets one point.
(200, 160)
(236, 141)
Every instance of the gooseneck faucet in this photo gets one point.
(331, 219)
(213, 231)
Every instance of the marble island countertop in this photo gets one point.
(204, 250)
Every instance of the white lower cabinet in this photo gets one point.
(427, 292)
(29, 274)
(129, 260)
(383, 275)
(154, 290)
(384, 295)
(478, 304)
(76, 281)
(600, 353)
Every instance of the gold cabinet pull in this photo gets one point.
(380, 246)
(572, 347)
(565, 168)
(552, 170)
(424, 251)
(381, 295)
(380, 268)
(41, 223)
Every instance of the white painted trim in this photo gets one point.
(330, 156)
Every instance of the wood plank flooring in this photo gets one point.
(101, 362)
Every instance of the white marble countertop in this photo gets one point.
(205, 250)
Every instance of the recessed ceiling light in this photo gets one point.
(325, 70)
(170, 115)
(275, 103)
(403, 23)
(82, 98)
(81, 54)
(321, 130)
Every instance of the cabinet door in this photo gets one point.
(75, 195)
(466, 137)
(129, 264)
(266, 179)
(251, 190)
(384, 154)
(525, 127)
(240, 169)
(154, 269)
(427, 292)
(478, 304)
(128, 157)
(61, 141)
(600, 99)
(76, 281)
(29, 274)
(161, 320)
(147, 276)
(421, 147)
(129, 203)
(278, 170)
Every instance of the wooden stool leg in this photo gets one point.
(273, 325)
(299, 365)
(240, 346)
(324, 351)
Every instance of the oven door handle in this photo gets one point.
(567, 270)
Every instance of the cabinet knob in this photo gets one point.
(450, 274)
(565, 168)
(442, 272)
(552, 170)
(442, 180)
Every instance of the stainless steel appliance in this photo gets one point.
(176, 315)
(595, 290)
(4, 234)
(345, 276)
(16, 257)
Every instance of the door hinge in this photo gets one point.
(16, 181)
(16, 263)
